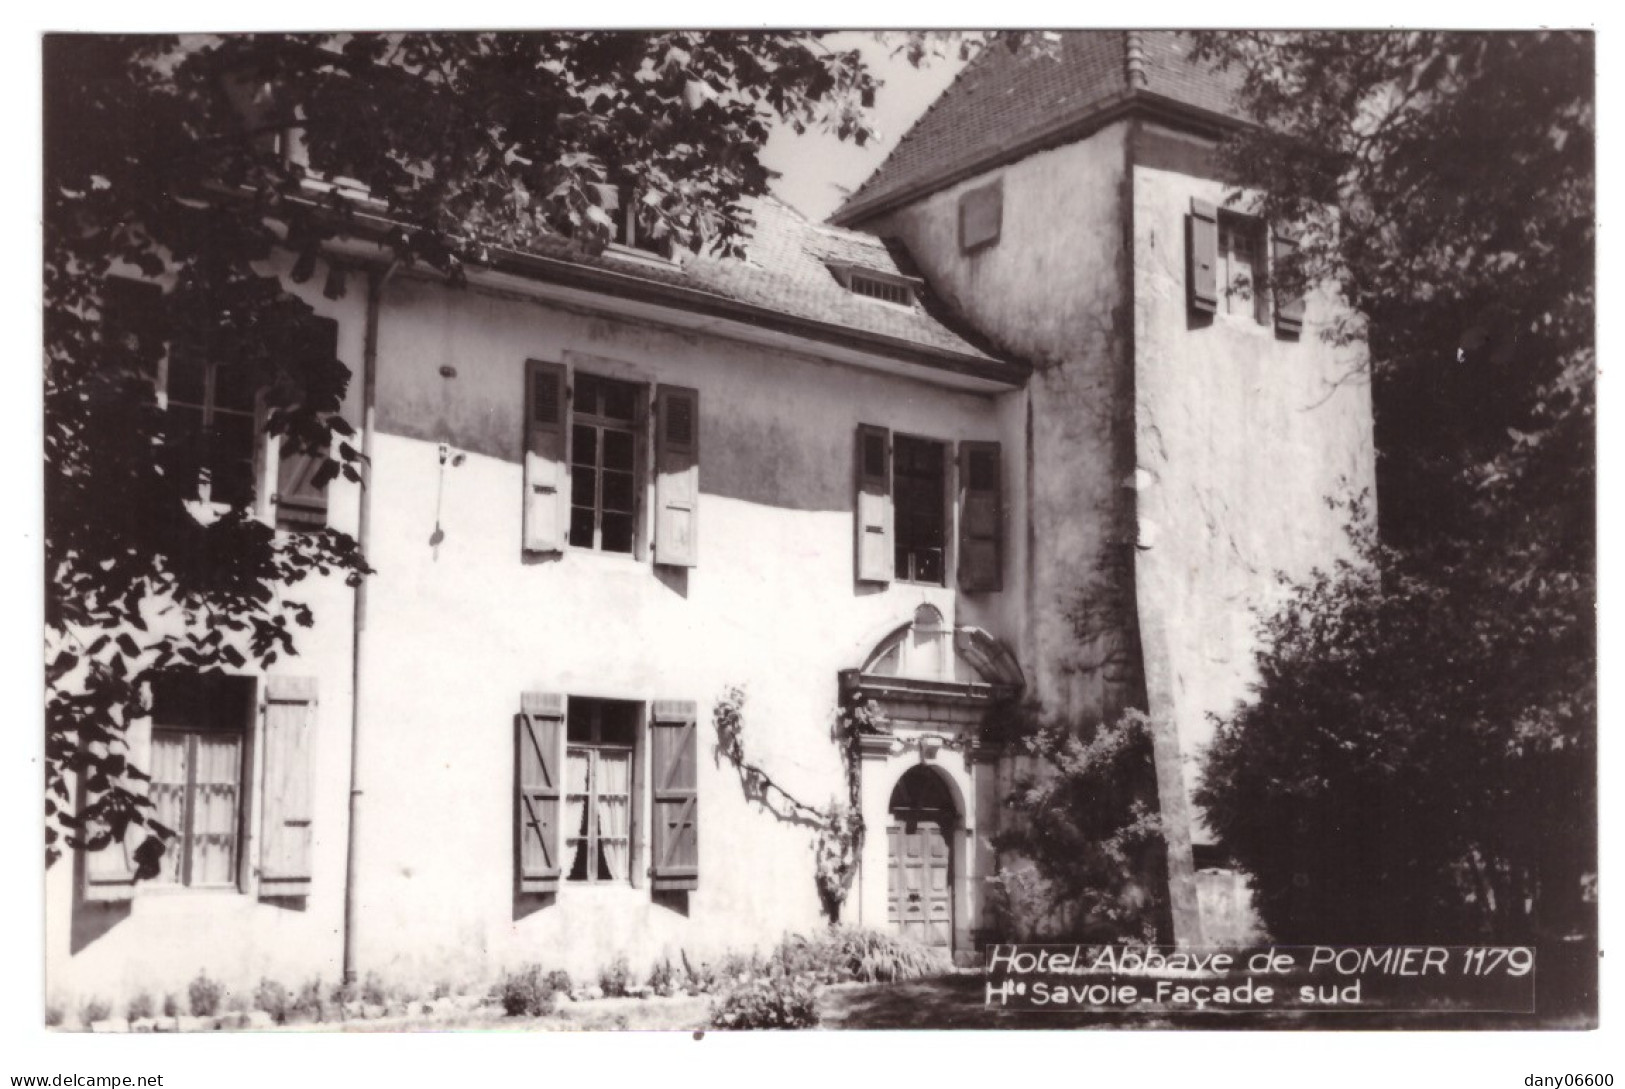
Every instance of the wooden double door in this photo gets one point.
(920, 876)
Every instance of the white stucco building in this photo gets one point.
(894, 456)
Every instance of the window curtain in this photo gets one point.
(614, 815)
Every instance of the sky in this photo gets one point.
(816, 168)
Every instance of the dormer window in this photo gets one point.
(631, 234)
(886, 287)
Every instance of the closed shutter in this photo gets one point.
(677, 476)
(1289, 309)
(981, 518)
(300, 502)
(1201, 275)
(547, 492)
(287, 805)
(109, 874)
(873, 505)
(538, 766)
(676, 841)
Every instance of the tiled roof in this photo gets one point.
(1004, 99)
(786, 270)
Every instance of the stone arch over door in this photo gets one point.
(920, 841)
(931, 683)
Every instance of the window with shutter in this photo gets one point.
(211, 427)
(873, 505)
(600, 785)
(1289, 309)
(919, 514)
(604, 425)
(198, 749)
(673, 730)
(981, 518)
(300, 502)
(1202, 246)
(547, 474)
(288, 807)
(677, 482)
(538, 768)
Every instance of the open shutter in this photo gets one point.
(676, 840)
(1201, 274)
(547, 492)
(299, 502)
(876, 557)
(132, 316)
(981, 518)
(677, 476)
(539, 768)
(286, 796)
(109, 874)
(1288, 309)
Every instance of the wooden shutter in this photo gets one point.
(109, 874)
(298, 501)
(287, 805)
(876, 557)
(677, 476)
(539, 770)
(132, 313)
(981, 214)
(547, 467)
(676, 842)
(1201, 274)
(1288, 309)
(981, 518)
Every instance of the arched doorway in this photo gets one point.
(919, 857)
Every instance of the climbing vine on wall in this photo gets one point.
(839, 843)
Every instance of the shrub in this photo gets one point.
(205, 996)
(844, 954)
(778, 1002)
(309, 1005)
(53, 1014)
(616, 979)
(141, 1006)
(172, 1005)
(372, 991)
(663, 979)
(95, 1009)
(701, 980)
(274, 999)
(530, 992)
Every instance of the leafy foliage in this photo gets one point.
(1420, 758)
(205, 997)
(772, 1002)
(843, 954)
(1087, 824)
(839, 846)
(174, 162)
(531, 991)
(1393, 782)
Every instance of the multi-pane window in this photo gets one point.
(199, 732)
(1241, 264)
(601, 738)
(211, 422)
(919, 495)
(603, 464)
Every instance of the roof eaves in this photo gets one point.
(1102, 113)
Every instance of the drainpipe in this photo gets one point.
(369, 387)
